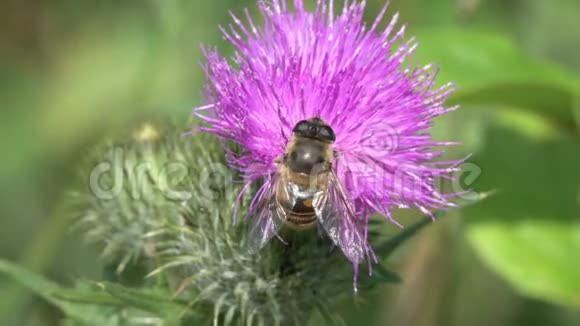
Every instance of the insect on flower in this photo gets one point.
(333, 118)
(305, 190)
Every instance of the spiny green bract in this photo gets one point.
(179, 220)
(123, 199)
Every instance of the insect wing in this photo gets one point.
(337, 218)
(265, 223)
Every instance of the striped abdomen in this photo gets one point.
(302, 214)
(295, 203)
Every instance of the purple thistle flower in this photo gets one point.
(360, 80)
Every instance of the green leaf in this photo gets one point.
(329, 317)
(384, 275)
(146, 299)
(97, 297)
(32, 281)
(529, 231)
(489, 69)
(536, 256)
(387, 247)
(47, 290)
(98, 305)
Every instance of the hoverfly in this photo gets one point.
(305, 192)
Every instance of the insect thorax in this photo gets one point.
(307, 156)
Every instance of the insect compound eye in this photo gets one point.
(314, 129)
(327, 133)
(301, 126)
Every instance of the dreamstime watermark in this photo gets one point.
(379, 139)
(408, 182)
(122, 175)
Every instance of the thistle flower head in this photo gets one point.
(122, 201)
(176, 225)
(359, 79)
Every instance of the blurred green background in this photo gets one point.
(73, 71)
